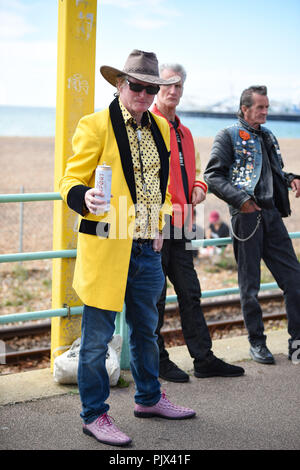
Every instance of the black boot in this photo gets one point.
(260, 353)
(294, 354)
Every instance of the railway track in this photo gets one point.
(171, 335)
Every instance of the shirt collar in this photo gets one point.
(179, 125)
(128, 119)
(245, 124)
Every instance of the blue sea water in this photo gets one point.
(27, 121)
(37, 122)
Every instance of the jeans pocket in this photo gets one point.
(248, 214)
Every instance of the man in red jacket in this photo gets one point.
(187, 190)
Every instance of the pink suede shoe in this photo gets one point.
(105, 431)
(165, 409)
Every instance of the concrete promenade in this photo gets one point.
(260, 410)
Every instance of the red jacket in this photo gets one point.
(192, 166)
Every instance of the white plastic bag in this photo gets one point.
(113, 359)
(66, 365)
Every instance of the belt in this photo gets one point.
(143, 241)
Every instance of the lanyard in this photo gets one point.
(139, 139)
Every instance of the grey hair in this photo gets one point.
(177, 68)
(247, 96)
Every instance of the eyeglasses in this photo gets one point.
(137, 87)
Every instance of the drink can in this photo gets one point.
(103, 182)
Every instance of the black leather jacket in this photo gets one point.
(217, 175)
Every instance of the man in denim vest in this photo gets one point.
(246, 170)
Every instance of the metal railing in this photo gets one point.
(64, 312)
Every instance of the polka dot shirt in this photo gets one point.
(146, 165)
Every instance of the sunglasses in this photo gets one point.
(137, 87)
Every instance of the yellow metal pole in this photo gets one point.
(75, 98)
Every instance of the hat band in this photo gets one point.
(141, 71)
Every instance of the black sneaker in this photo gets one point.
(260, 353)
(169, 371)
(214, 367)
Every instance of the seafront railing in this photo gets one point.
(41, 255)
(69, 311)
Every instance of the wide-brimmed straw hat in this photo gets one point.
(141, 66)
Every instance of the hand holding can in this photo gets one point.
(103, 183)
(94, 201)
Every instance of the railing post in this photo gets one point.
(75, 98)
(21, 224)
(122, 329)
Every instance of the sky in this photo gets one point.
(224, 45)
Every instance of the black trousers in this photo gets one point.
(271, 243)
(177, 263)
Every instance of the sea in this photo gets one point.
(40, 122)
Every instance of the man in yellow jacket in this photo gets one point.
(118, 252)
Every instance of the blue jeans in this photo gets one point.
(144, 285)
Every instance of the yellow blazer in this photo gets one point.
(104, 241)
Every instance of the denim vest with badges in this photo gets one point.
(246, 169)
